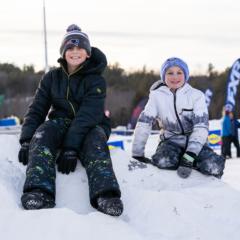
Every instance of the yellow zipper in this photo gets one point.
(69, 75)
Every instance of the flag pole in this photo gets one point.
(45, 38)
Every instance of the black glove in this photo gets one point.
(67, 161)
(188, 159)
(23, 153)
(186, 164)
(142, 159)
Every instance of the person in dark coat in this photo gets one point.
(235, 124)
(73, 98)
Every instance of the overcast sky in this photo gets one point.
(135, 33)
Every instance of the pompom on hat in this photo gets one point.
(174, 61)
(75, 37)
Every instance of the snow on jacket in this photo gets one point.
(182, 117)
(79, 97)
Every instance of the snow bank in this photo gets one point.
(158, 204)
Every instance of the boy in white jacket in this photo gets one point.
(182, 114)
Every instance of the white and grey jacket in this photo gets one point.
(182, 117)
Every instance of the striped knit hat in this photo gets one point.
(75, 37)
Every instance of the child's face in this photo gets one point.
(174, 77)
(75, 56)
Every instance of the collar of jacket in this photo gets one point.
(161, 86)
(63, 64)
(93, 65)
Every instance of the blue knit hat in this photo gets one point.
(75, 37)
(174, 61)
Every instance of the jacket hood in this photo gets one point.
(94, 65)
(157, 84)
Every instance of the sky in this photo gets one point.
(134, 33)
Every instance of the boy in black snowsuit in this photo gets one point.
(77, 127)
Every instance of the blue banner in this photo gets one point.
(232, 84)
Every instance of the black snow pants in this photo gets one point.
(226, 146)
(168, 155)
(234, 140)
(93, 154)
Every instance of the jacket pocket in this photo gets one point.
(187, 119)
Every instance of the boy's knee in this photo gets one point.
(214, 165)
(44, 129)
(214, 168)
(95, 138)
(96, 132)
(167, 155)
(166, 163)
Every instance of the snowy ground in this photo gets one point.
(158, 204)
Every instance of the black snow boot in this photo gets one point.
(37, 199)
(110, 205)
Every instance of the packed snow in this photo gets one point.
(158, 205)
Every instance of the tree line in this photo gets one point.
(125, 90)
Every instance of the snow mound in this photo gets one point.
(157, 204)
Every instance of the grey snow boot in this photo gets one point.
(37, 199)
(110, 205)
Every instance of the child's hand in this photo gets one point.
(23, 153)
(67, 161)
(188, 159)
(186, 164)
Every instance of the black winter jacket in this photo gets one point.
(79, 97)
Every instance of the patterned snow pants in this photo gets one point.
(94, 156)
(168, 155)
